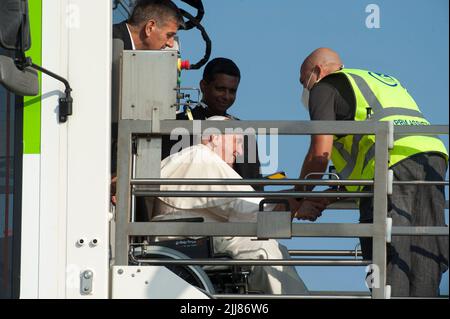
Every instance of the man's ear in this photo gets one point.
(203, 86)
(324, 71)
(149, 27)
(215, 139)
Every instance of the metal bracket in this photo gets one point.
(388, 230)
(356, 250)
(66, 102)
(155, 120)
(274, 225)
(65, 107)
(387, 292)
(391, 135)
(87, 277)
(390, 182)
(336, 176)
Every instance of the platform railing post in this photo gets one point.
(380, 205)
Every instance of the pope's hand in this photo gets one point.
(309, 209)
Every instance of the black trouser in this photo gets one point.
(414, 263)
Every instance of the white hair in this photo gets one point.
(217, 118)
(210, 132)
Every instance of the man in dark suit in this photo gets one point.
(152, 25)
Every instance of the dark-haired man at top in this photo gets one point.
(152, 25)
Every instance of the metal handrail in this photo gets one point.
(248, 229)
(422, 130)
(264, 127)
(438, 183)
(271, 182)
(155, 193)
(384, 132)
(253, 262)
(240, 181)
(420, 231)
(349, 204)
(326, 253)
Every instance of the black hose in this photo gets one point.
(205, 37)
(197, 4)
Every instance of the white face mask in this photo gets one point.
(305, 98)
(305, 94)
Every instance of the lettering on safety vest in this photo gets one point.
(410, 122)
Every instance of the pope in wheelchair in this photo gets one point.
(213, 158)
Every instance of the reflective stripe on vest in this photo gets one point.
(378, 109)
(350, 158)
(370, 153)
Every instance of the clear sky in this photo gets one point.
(268, 40)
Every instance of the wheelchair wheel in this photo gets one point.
(194, 275)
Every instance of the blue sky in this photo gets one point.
(268, 40)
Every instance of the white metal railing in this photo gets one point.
(379, 230)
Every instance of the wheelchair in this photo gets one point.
(212, 279)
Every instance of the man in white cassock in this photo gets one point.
(213, 158)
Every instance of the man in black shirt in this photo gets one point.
(219, 87)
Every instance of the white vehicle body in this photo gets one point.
(60, 245)
(66, 179)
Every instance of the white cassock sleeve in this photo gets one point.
(238, 210)
(200, 162)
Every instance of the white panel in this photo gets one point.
(151, 282)
(29, 251)
(74, 166)
(52, 256)
(89, 69)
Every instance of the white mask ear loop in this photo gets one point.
(305, 94)
(310, 76)
(305, 98)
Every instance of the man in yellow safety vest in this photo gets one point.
(332, 93)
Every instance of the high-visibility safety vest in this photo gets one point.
(379, 97)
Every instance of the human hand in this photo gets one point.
(309, 209)
(113, 190)
(279, 208)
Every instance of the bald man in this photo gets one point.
(332, 93)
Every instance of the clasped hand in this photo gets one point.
(308, 209)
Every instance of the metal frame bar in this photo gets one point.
(422, 130)
(282, 127)
(251, 194)
(247, 229)
(237, 181)
(380, 205)
(327, 253)
(124, 153)
(254, 262)
(377, 230)
(280, 182)
(419, 231)
(349, 204)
